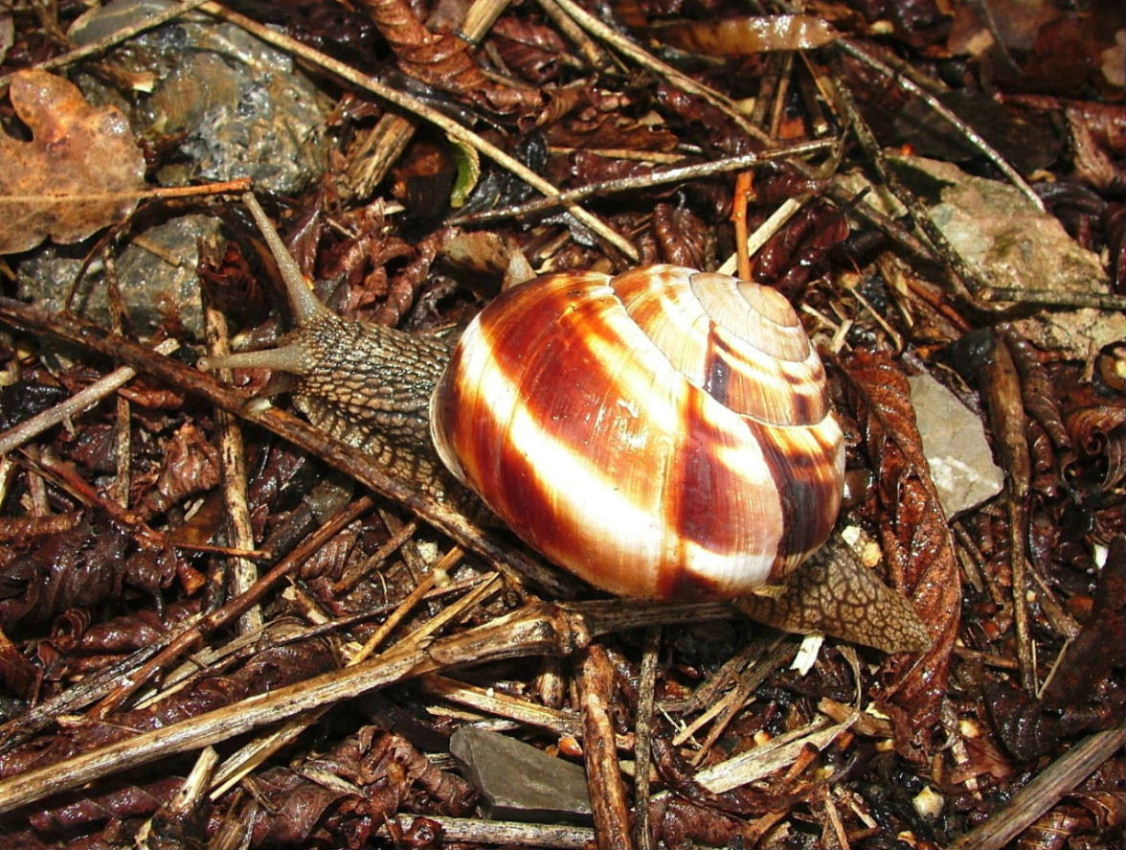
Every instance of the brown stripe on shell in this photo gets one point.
(706, 505)
(807, 465)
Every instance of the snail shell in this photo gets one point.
(662, 433)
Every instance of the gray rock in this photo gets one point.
(518, 782)
(959, 457)
(239, 106)
(156, 273)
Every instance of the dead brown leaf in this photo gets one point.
(75, 176)
(917, 543)
(442, 60)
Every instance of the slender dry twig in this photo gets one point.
(1054, 297)
(511, 834)
(557, 721)
(116, 37)
(76, 405)
(591, 52)
(536, 629)
(608, 801)
(902, 77)
(240, 184)
(1043, 792)
(479, 19)
(645, 181)
(234, 608)
(960, 275)
(232, 460)
(643, 723)
(254, 754)
(645, 59)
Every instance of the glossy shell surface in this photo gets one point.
(663, 433)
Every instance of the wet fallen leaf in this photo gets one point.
(77, 173)
(917, 543)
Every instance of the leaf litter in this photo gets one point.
(118, 635)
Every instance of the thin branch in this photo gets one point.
(536, 629)
(76, 405)
(1055, 297)
(1043, 792)
(904, 81)
(645, 59)
(116, 37)
(645, 181)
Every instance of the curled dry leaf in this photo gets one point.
(76, 175)
(743, 36)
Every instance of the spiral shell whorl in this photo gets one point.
(663, 433)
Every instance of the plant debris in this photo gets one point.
(219, 627)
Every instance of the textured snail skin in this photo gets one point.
(664, 433)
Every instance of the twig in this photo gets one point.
(643, 753)
(113, 38)
(479, 19)
(232, 459)
(417, 107)
(235, 608)
(557, 721)
(603, 772)
(959, 273)
(1001, 390)
(535, 629)
(77, 404)
(510, 834)
(857, 52)
(1055, 297)
(762, 234)
(645, 59)
(74, 699)
(764, 760)
(645, 181)
(239, 184)
(254, 754)
(591, 52)
(1043, 792)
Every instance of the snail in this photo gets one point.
(661, 433)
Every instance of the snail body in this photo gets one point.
(663, 433)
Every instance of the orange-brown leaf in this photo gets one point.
(76, 174)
